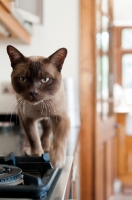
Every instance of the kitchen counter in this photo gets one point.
(123, 109)
(11, 141)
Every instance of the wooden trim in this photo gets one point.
(6, 4)
(105, 130)
(119, 52)
(13, 25)
(125, 51)
(87, 94)
(125, 179)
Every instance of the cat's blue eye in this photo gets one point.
(23, 79)
(45, 80)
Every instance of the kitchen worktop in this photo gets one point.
(123, 109)
(11, 140)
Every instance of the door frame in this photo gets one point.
(87, 98)
(89, 126)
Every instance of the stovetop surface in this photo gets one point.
(25, 177)
(11, 139)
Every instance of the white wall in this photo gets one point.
(60, 29)
(123, 11)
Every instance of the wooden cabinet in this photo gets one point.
(124, 150)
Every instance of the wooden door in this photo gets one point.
(124, 149)
(97, 136)
(105, 132)
(123, 61)
(105, 159)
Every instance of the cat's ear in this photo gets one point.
(58, 58)
(15, 56)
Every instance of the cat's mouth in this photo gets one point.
(36, 99)
(33, 100)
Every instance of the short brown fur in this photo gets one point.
(40, 96)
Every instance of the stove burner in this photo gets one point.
(10, 175)
(25, 177)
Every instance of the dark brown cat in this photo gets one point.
(37, 82)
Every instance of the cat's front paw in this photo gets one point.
(26, 151)
(57, 156)
(37, 152)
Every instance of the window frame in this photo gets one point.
(119, 52)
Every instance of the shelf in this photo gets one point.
(11, 24)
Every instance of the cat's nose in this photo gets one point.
(33, 93)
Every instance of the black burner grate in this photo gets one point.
(36, 174)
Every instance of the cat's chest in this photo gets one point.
(37, 111)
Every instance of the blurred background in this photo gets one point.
(97, 76)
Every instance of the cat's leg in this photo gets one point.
(30, 128)
(45, 138)
(61, 130)
(26, 150)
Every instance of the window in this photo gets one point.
(126, 38)
(104, 67)
(127, 71)
(123, 56)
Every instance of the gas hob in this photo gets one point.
(25, 177)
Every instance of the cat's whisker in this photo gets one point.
(24, 110)
(22, 102)
(48, 109)
(51, 104)
(18, 100)
(15, 102)
(19, 104)
(13, 111)
(48, 105)
(42, 107)
(48, 97)
(53, 109)
(10, 107)
(45, 107)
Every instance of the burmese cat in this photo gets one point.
(37, 82)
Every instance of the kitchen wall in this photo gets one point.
(123, 10)
(60, 29)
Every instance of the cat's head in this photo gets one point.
(36, 78)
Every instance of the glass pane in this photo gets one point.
(105, 6)
(98, 21)
(99, 85)
(105, 23)
(99, 78)
(105, 41)
(105, 77)
(99, 107)
(105, 110)
(127, 71)
(127, 38)
(98, 2)
(98, 41)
